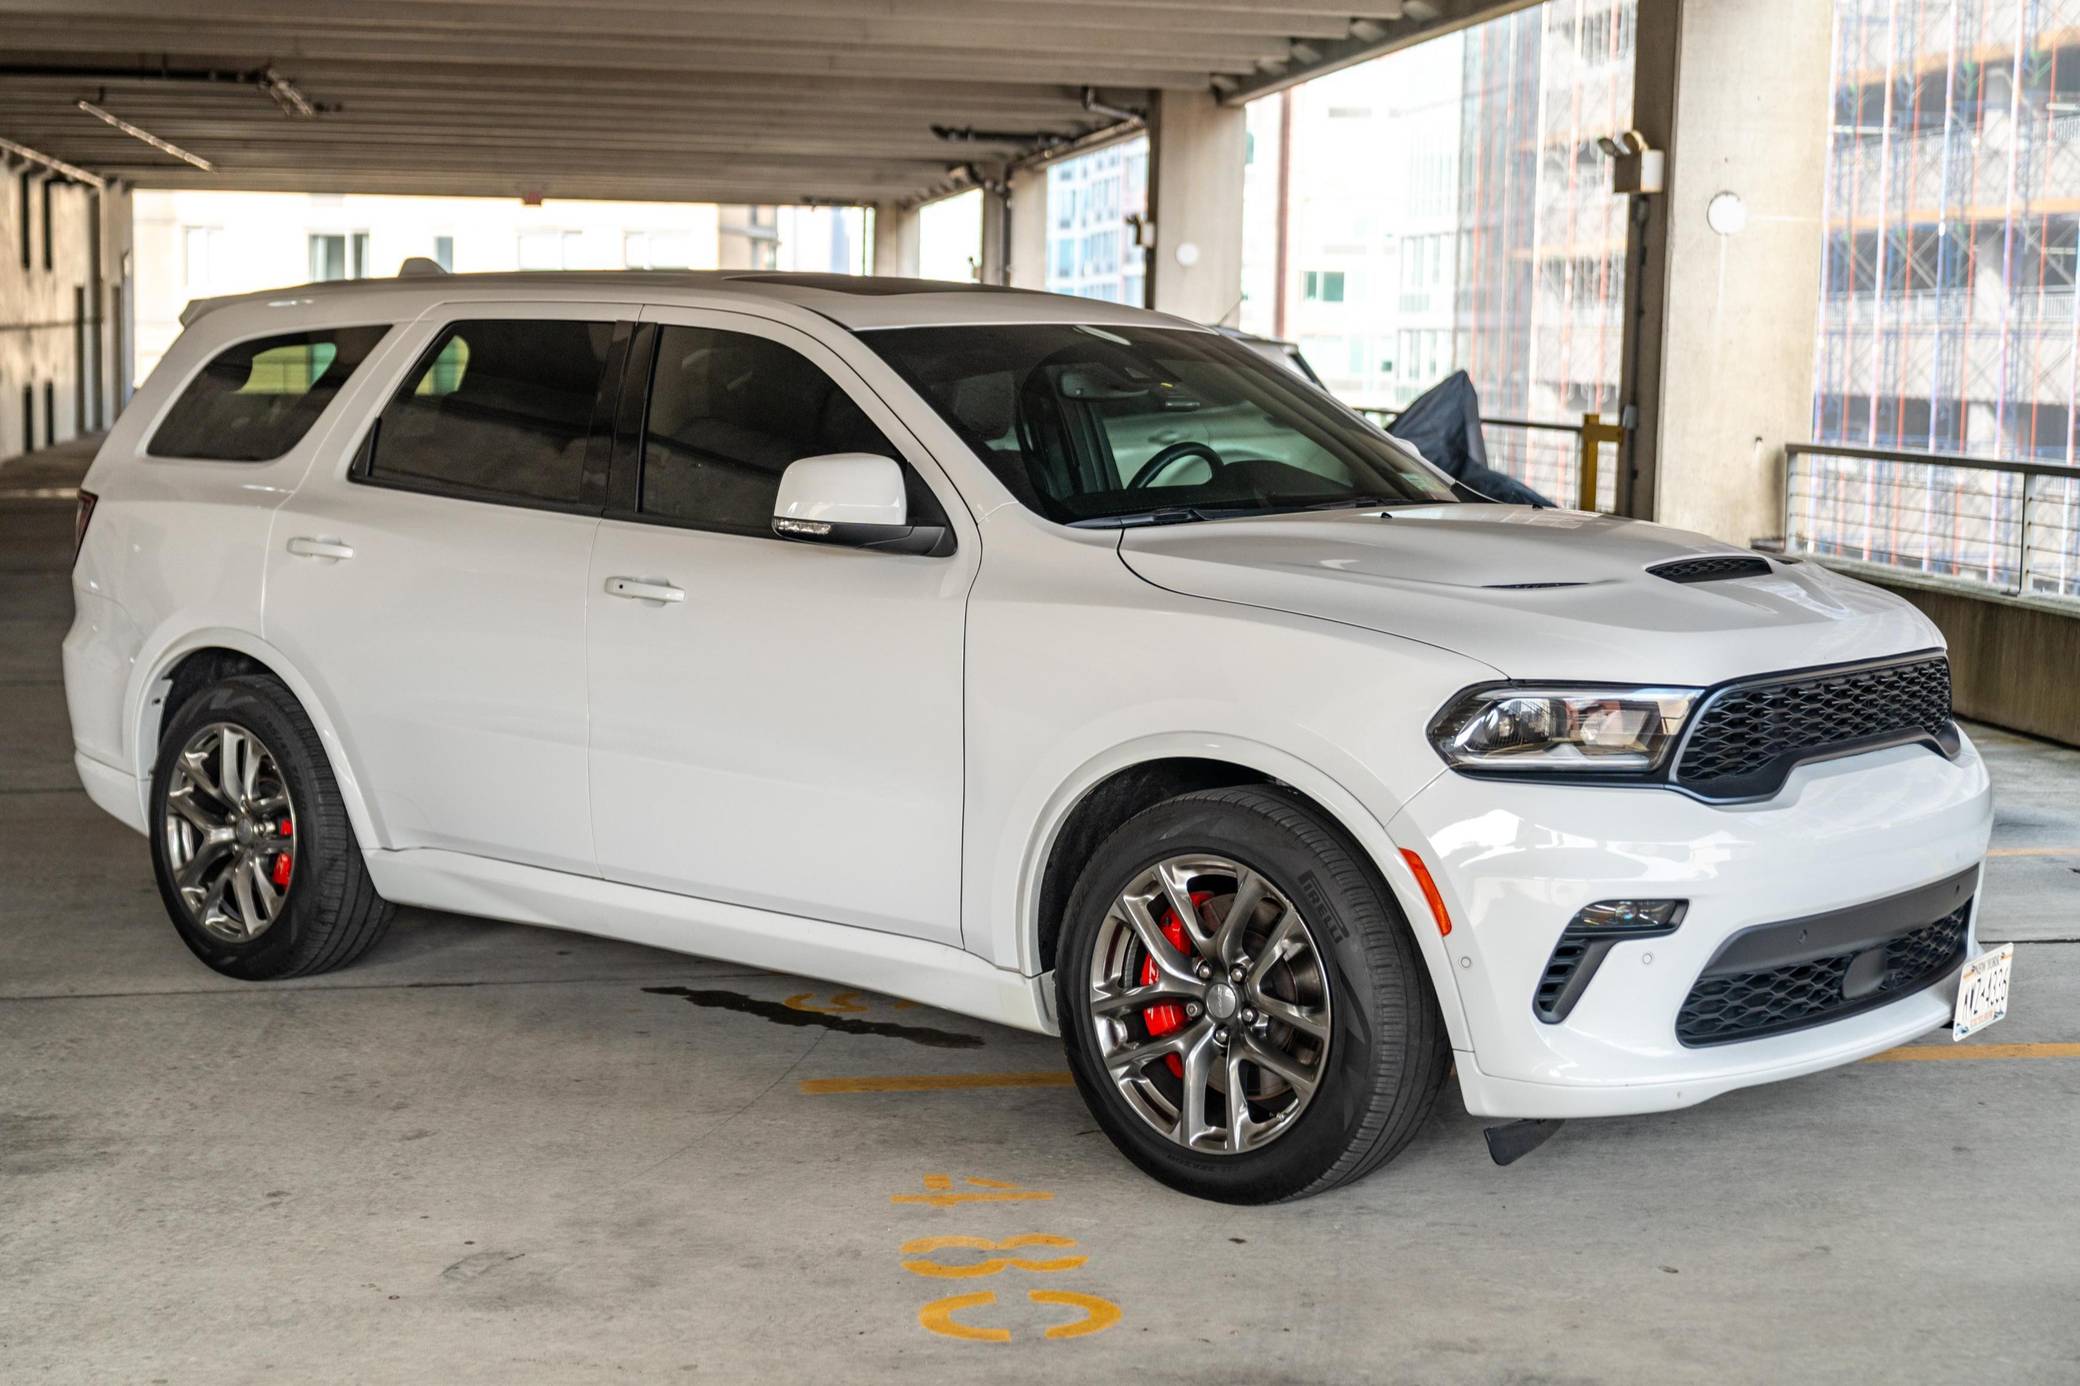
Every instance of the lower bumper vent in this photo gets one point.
(1749, 1004)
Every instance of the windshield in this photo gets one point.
(1097, 425)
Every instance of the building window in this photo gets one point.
(23, 221)
(47, 223)
(657, 250)
(339, 256)
(444, 252)
(199, 247)
(50, 409)
(547, 250)
(1322, 286)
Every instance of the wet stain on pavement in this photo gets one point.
(843, 1024)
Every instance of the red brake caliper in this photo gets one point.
(279, 872)
(1165, 1016)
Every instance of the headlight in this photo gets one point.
(1540, 728)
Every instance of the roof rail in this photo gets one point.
(418, 266)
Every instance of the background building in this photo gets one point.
(196, 244)
(65, 307)
(1095, 204)
(1947, 317)
(1446, 208)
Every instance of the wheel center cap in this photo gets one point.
(243, 830)
(1221, 1001)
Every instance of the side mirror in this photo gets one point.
(851, 498)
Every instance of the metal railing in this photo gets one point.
(2010, 527)
(1572, 464)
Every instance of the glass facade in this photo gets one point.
(1094, 203)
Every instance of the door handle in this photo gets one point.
(636, 590)
(330, 550)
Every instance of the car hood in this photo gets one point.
(1533, 593)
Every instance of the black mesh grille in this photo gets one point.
(1712, 569)
(1748, 1005)
(1747, 737)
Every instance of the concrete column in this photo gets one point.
(996, 229)
(898, 240)
(1196, 148)
(1737, 304)
(1029, 229)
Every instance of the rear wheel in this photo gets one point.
(255, 859)
(1245, 1010)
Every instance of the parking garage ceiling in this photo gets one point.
(719, 100)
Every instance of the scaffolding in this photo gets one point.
(1947, 321)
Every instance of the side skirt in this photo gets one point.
(932, 974)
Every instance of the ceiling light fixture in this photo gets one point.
(285, 94)
(163, 146)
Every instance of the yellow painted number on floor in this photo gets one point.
(925, 1265)
(1099, 1314)
(939, 1192)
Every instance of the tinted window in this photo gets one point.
(256, 401)
(501, 409)
(728, 412)
(1117, 423)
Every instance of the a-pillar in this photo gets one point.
(1737, 93)
(1196, 151)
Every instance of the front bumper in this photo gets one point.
(1515, 862)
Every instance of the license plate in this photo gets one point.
(1982, 991)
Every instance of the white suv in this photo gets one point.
(1056, 663)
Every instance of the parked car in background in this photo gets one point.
(1055, 663)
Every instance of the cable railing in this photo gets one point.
(1571, 464)
(2008, 527)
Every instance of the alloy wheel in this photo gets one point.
(229, 828)
(1210, 1004)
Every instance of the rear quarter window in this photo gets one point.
(256, 400)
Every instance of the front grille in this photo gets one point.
(1746, 738)
(1720, 569)
(1749, 1005)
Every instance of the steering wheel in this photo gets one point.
(1190, 447)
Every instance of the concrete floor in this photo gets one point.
(501, 1154)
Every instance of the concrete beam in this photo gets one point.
(1196, 148)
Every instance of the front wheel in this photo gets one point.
(1245, 1009)
(255, 859)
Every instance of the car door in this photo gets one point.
(774, 724)
(433, 584)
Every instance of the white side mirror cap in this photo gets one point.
(853, 498)
(818, 494)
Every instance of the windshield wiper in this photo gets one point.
(1161, 515)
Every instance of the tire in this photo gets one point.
(326, 912)
(1383, 1055)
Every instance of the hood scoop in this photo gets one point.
(1719, 568)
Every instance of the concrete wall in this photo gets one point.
(1752, 96)
(2012, 663)
(63, 335)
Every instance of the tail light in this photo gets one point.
(79, 522)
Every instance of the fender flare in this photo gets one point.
(1346, 808)
(145, 701)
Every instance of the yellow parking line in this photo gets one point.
(935, 1082)
(2033, 852)
(1914, 1053)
